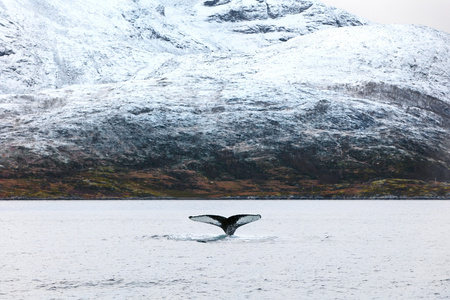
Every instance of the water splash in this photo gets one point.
(209, 238)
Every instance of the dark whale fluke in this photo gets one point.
(229, 225)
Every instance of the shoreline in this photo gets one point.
(249, 198)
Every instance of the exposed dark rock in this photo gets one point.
(5, 52)
(260, 10)
(216, 2)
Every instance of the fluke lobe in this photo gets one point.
(230, 224)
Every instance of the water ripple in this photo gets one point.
(70, 284)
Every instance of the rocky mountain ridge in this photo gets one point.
(275, 98)
(52, 44)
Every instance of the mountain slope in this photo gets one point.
(51, 43)
(333, 110)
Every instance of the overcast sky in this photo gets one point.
(433, 13)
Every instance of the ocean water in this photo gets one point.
(151, 250)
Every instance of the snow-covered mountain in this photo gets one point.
(52, 44)
(193, 94)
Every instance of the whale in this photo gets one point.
(230, 224)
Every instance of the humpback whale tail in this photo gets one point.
(230, 224)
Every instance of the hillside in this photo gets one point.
(219, 98)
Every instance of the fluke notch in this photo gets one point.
(230, 224)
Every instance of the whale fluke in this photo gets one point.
(230, 224)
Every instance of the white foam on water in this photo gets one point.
(211, 238)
